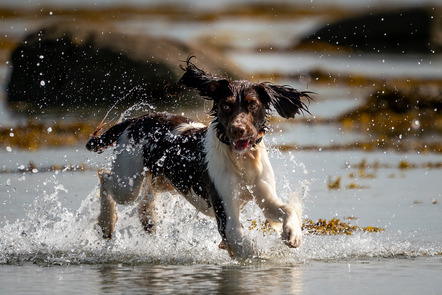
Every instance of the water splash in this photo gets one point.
(54, 234)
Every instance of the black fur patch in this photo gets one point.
(178, 157)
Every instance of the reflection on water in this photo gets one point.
(353, 277)
(153, 279)
(201, 279)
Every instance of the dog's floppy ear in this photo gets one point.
(208, 86)
(286, 100)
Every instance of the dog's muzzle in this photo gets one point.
(241, 144)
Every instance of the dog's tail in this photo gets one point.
(99, 143)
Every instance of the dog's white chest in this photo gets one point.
(234, 174)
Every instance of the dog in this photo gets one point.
(217, 168)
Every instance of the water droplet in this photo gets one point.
(415, 124)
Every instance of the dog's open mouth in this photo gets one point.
(241, 144)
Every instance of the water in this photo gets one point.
(50, 244)
(378, 66)
(314, 278)
(49, 220)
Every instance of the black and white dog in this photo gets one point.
(217, 168)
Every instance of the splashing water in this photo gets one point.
(51, 233)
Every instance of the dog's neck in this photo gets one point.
(220, 154)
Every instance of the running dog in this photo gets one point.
(218, 168)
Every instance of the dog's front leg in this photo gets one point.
(278, 212)
(291, 226)
(239, 244)
(274, 209)
(227, 211)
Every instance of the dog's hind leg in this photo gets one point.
(146, 207)
(121, 185)
(108, 208)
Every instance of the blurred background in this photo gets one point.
(375, 65)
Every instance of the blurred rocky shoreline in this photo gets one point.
(76, 59)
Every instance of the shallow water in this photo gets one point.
(49, 220)
(367, 65)
(366, 277)
(49, 242)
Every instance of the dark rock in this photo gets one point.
(410, 110)
(408, 30)
(421, 99)
(73, 64)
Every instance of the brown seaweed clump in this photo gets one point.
(335, 227)
(321, 227)
(334, 184)
(35, 135)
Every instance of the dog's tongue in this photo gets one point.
(241, 144)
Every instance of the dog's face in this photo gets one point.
(241, 114)
(240, 107)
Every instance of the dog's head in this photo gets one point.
(240, 108)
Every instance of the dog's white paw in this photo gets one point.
(291, 232)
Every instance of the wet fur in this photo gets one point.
(218, 168)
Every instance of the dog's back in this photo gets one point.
(139, 128)
(173, 146)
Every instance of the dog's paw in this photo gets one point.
(292, 233)
(239, 250)
(148, 224)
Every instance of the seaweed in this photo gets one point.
(330, 227)
(334, 184)
(35, 135)
(336, 227)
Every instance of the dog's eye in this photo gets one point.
(253, 107)
(226, 108)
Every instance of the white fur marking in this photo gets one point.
(240, 177)
(187, 126)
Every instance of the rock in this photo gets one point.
(74, 64)
(408, 30)
(412, 110)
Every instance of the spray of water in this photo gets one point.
(53, 234)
